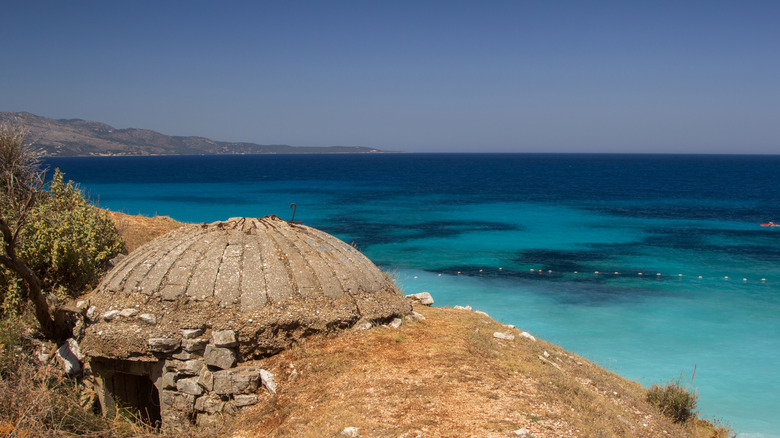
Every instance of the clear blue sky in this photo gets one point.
(503, 76)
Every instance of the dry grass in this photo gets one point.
(137, 230)
(448, 376)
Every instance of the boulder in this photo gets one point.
(268, 381)
(163, 345)
(191, 333)
(189, 386)
(224, 338)
(222, 358)
(504, 336)
(528, 335)
(423, 298)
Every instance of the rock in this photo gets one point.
(46, 351)
(242, 400)
(169, 380)
(546, 354)
(268, 381)
(177, 401)
(82, 304)
(206, 379)
(189, 386)
(482, 313)
(423, 298)
(350, 432)
(245, 380)
(191, 333)
(510, 326)
(415, 317)
(206, 420)
(362, 325)
(92, 313)
(504, 336)
(528, 335)
(195, 345)
(182, 355)
(110, 315)
(68, 355)
(222, 358)
(192, 367)
(163, 345)
(523, 433)
(209, 403)
(223, 384)
(128, 313)
(395, 323)
(462, 307)
(224, 338)
(148, 318)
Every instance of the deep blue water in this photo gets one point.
(686, 277)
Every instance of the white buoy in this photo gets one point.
(679, 275)
(616, 272)
(763, 279)
(480, 270)
(596, 272)
(639, 273)
(726, 277)
(744, 279)
(658, 273)
(439, 275)
(699, 276)
(415, 276)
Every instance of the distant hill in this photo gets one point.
(76, 137)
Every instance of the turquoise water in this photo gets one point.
(477, 230)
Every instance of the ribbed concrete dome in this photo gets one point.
(246, 263)
(269, 280)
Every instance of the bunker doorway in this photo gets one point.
(136, 393)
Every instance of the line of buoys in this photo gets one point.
(616, 273)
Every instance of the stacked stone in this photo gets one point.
(200, 379)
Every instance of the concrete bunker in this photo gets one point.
(183, 315)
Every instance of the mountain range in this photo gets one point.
(76, 137)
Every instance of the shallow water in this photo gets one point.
(477, 230)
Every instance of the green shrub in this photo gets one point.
(66, 241)
(674, 399)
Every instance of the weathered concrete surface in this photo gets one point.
(269, 281)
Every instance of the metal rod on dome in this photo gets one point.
(293, 221)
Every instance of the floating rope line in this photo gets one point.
(658, 275)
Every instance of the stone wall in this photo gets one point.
(196, 377)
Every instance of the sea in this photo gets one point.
(654, 266)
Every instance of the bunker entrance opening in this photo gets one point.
(138, 394)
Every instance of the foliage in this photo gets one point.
(674, 399)
(66, 241)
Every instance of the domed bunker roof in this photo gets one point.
(268, 280)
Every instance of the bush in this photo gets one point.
(674, 400)
(66, 241)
